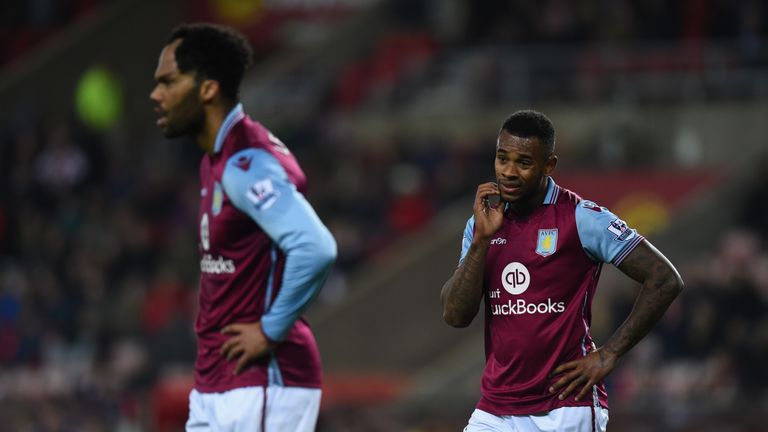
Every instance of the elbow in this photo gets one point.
(672, 285)
(678, 284)
(455, 320)
(315, 255)
(323, 252)
(327, 252)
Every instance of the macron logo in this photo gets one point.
(243, 162)
(499, 241)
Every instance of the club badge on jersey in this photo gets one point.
(546, 243)
(218, 199)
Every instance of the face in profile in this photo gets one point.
(176, 96)
(521, 167)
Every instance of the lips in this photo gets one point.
(509, 189)
(162, 120)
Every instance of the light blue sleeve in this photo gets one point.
(258, 185)
(466, 241)
(603, 235)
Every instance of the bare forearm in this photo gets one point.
(655, 297)
(462, 293)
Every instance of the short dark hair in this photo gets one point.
(530, 123)
(213, 52)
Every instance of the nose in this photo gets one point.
(508, 172)
(154, 95)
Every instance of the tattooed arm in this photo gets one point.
(661, 284)
(462, 293)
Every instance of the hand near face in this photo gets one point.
(246, 344)
(488, 218)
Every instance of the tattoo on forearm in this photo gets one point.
(660, 288)
(462, 293)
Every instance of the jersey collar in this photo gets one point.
(552, 192)
(550, 198)
(232, 118)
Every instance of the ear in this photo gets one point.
(550, 164)
(209, 90)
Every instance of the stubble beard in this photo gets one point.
(188, 116)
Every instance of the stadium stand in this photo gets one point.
(97, 254)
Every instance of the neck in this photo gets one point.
(214, 117)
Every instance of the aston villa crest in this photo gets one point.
(546, 244)
(218, 199)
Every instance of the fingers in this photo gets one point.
(244, 344)
(235, 352)
(585, 390)
(232, 348)
(485, 190)
(231, 342)
(578, 380)
(232, 328)
(242, 363)
(563, 367)
(562, 382)
(571, 380)
(581, 375)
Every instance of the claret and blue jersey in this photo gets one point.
(264, 256)
(540, 277)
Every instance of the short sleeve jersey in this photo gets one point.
(262, 253)
(540, 277)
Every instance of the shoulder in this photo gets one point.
(589, 210)
(246, 134)
(258, 136)
(254, 174)
(254, 162)
(566, 197)
(590, 216)
(566, 203)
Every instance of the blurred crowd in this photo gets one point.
(705, 357)
(26, 25)
(96, 271)
(447, 53)
(98, 248)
